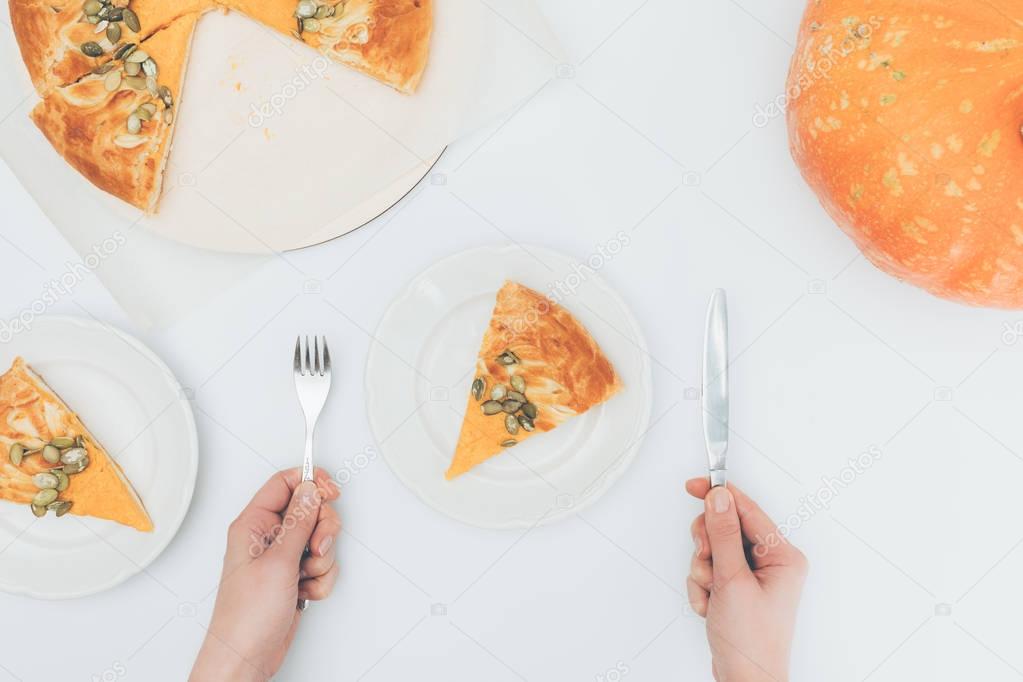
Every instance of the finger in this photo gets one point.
(725, 534)
(699, 598)
(276, 493)
(701, 571)
(316, 566)
(325, 534)
(700, 540)
(770, 547)
(315, 589)
(298, 522)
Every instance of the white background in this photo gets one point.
(648, 130)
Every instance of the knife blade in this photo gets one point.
(715, 387)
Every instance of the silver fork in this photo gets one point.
(312, 384)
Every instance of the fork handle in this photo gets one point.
(307, 460)
(307, 475)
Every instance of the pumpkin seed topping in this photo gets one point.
(125, 50)
(510, 443)
(137, 56)
(61, 507)
(51, 454)
(516, 396)
(507, 358)
(104, 68)
(491, 407)
(499, 392)
(76, 468)
(310, 25)
(39, 510)
(16, 453)
(526, 423)
(529, 409)
(135, 82)
(168, 116)
(62, 479)
(134, 124)
(45, 480)
(92, 7)
(92, 49)
(114, 32)
(44, 497)
(479, 385)
(511, 424)
(131, 19)
(132, 68)
(149, 67)
(511, 406)
(305, 9)
(518, 383)
(62, 442)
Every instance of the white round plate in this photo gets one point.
(420, 368)
(134, 406)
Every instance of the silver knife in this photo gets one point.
(715, 387)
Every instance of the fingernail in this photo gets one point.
(325, 544)
(699, 545)
(719, 499)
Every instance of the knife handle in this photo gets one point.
(718, 478)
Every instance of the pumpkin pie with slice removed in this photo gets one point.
(51, 462)
(537, 367)
(115, 128)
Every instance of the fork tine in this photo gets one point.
(307, 365)
(316, 355)
(326, 356)
(298, 354)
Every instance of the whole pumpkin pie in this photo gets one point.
(51, 463)
(110, 71)
(537, 368)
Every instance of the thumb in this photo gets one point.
(725, 534)
(299, 520)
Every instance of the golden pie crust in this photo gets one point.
(564, 370)
(32, 414)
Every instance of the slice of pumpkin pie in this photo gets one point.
(537, 367)
(115, 127)
(49, 460)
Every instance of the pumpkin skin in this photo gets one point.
(904, 118)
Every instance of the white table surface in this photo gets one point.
(648, 131)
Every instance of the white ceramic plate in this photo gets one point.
(135, 407)
(419, 372)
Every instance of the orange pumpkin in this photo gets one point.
(904, 117)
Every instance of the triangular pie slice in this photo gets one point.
(537, 367)
(90, 125)
(51, 33)
(386, 39)
(32, 416)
